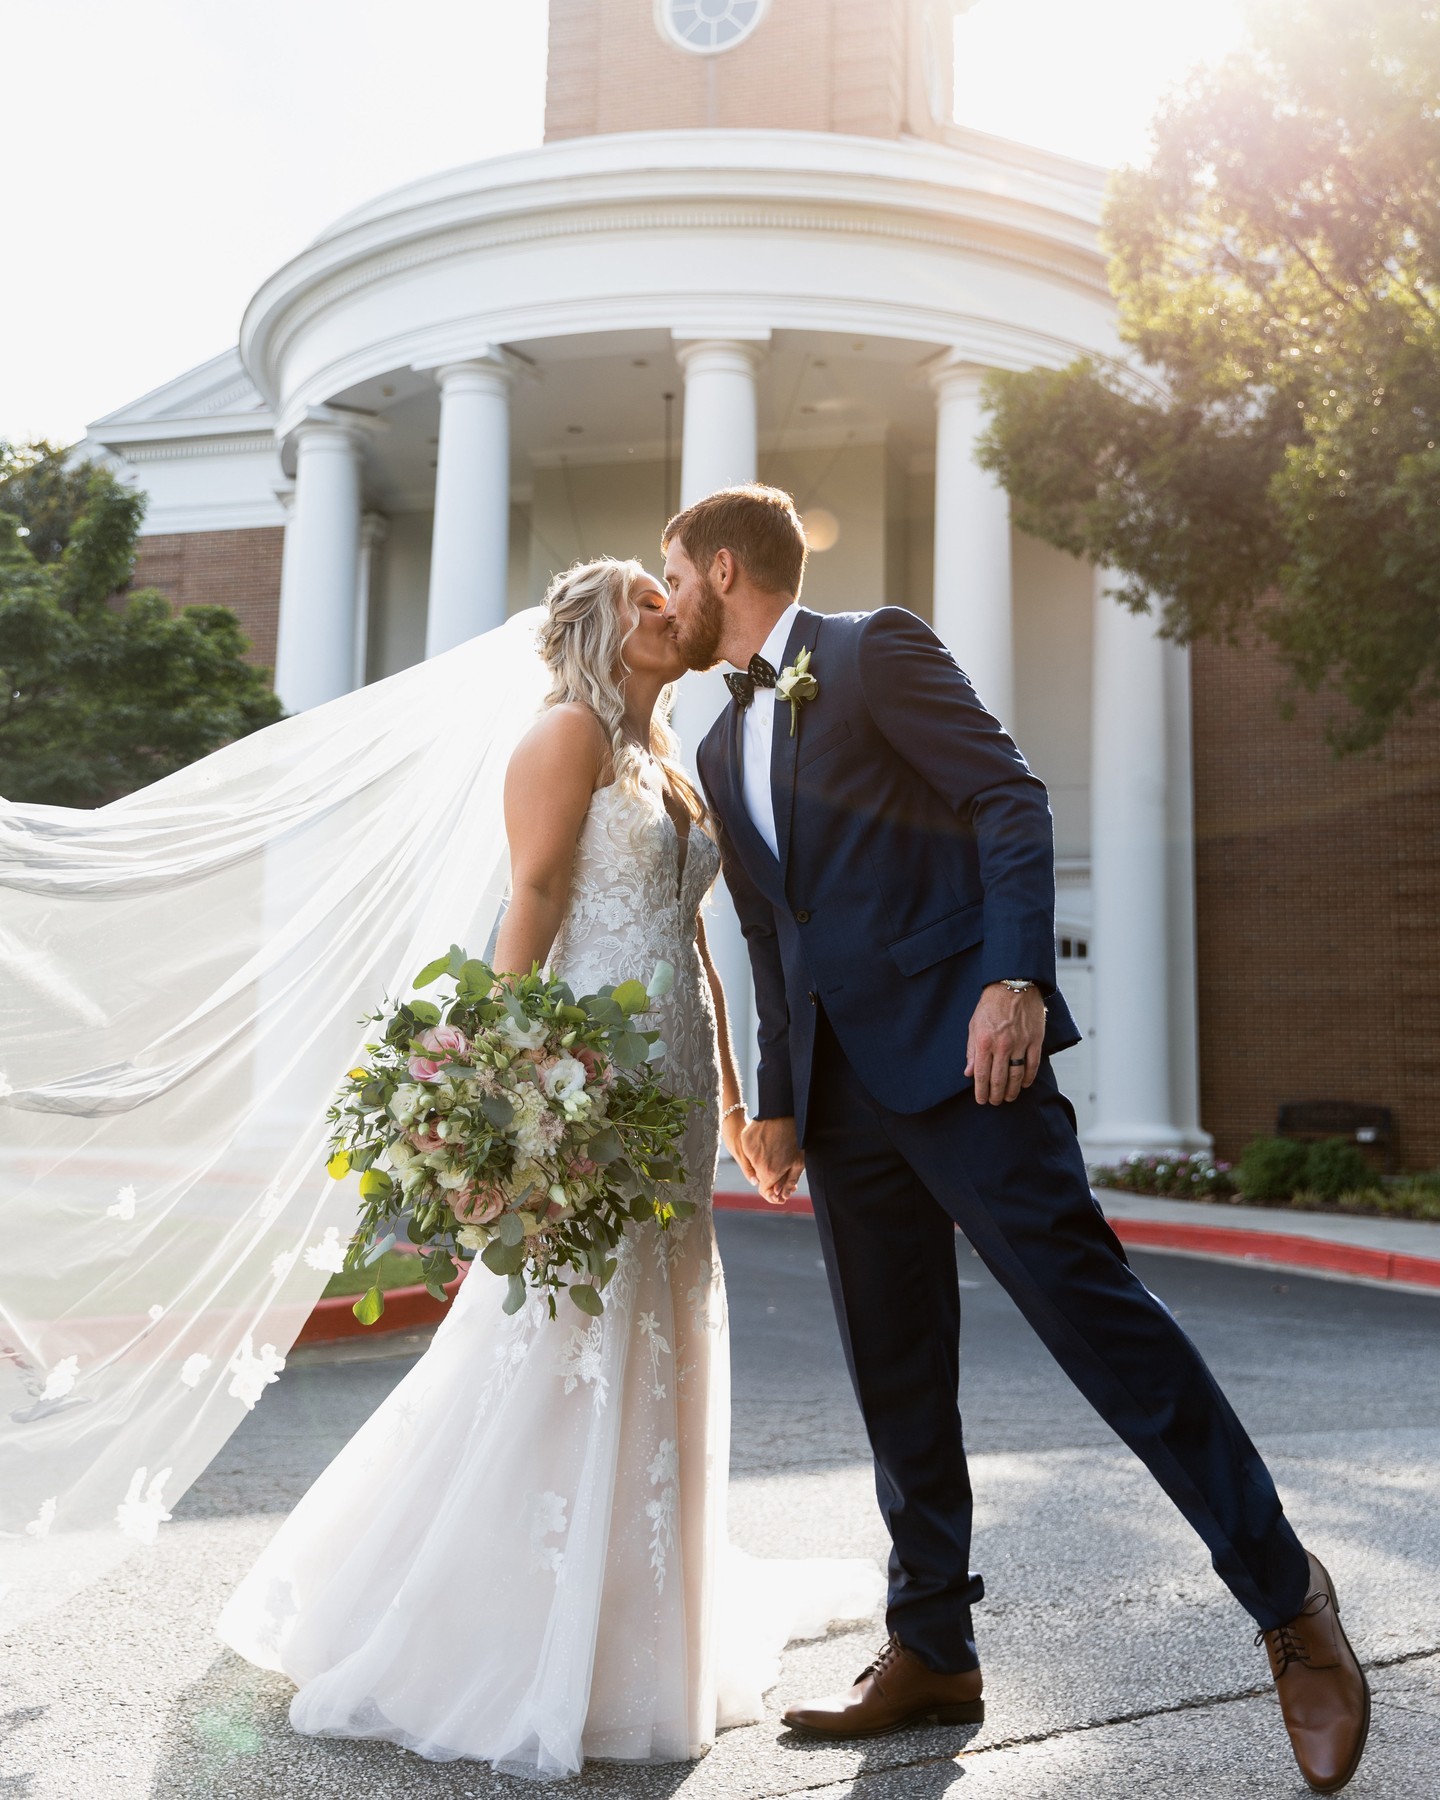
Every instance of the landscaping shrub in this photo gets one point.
(1271, 1168)
(1334, 1167)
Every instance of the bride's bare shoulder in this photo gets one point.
(565, 748)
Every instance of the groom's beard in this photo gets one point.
(697, 635)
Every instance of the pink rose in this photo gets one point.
(582, 1165)
(445, 1037)
(477, 1206)
(425, 1139)
(589, 1060)
(445, 1042)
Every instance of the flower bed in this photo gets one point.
(1326, 1177)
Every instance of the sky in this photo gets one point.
(171, 153)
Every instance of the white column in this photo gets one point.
(373, 528)
(718, 447)
(719, 450)
(972, 602)
(1130, 884)
(470, 548)
(315, 651)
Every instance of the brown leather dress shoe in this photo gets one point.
(896, 1690)
(1323, 1692)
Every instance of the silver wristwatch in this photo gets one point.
(1016, 986)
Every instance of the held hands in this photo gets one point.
(771, 1157)
(1007, 1027)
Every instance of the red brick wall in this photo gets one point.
(237, 569)
(811, 65)
(1318, 894)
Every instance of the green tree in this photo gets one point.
(1270, 458)
(44, 493)
(103, 690)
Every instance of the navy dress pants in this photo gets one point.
(888, 1190)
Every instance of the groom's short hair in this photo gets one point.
(758, 525)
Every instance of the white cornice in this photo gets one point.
(191, 442)
(657, 183)
(218, 386)
(997, 343)
(653, 161)
(218, 515)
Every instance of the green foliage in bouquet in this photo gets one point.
(514, 1122)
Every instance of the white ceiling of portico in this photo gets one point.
(601, 398)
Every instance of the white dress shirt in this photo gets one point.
(757, 735)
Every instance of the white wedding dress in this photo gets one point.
(521, 1556)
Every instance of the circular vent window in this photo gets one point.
(709, 26)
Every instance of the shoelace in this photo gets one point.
(884, 1656)
(1285, 1641)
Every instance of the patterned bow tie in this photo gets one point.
(759, 675)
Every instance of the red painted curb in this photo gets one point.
(405, 1308)
(1231, 1243)
(1281, 1250)
(409, 1307)
(797, 1203)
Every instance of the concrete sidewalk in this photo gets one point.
(1392, 1252)
(1398, 1253)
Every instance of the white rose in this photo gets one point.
(451, 1178)
(473, 1237)
(408, 1100)
(521, 1038)
(565, 1078)
(400, 1155)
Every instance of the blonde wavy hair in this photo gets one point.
(590, 614)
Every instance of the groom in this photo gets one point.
(890, 857)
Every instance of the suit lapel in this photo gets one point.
(751, 847)
(785, 748)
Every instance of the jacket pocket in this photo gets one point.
(828, 739)
(957, 931)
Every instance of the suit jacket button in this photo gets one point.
(814, 998)
(803, 916)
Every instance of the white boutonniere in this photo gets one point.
(797, 685)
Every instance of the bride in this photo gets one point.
(521, 1556)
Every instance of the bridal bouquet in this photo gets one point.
(513, 1122)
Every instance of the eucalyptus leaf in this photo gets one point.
(630, 1050)
(605, 1146)
(515, 1297)
(426, 1012)
(378, 1249)
(436, 1292)
(432, 972)
(456, 960)
(512, 1228)
(497, 1110)
(588, 1300)
(662, 980)
(631, 997)
(503, 1259)
(368, 1308)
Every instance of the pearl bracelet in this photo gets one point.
(739, 1106)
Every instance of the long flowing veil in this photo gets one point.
(184, 977)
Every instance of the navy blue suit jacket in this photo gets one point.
(916, 865)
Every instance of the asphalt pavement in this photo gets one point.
(1117, 1666)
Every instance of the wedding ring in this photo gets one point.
(1017, 1062)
